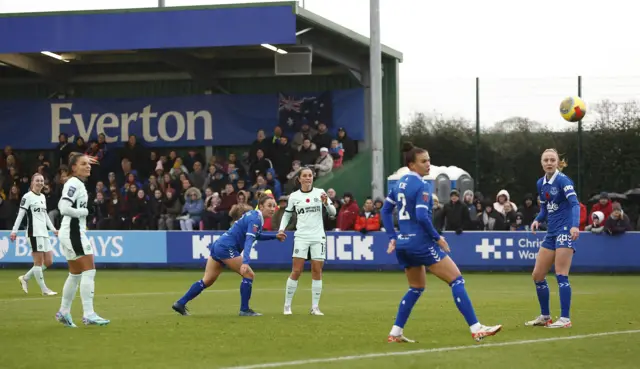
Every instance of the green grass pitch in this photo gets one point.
(359, 311)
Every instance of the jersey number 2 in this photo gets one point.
(403, 214)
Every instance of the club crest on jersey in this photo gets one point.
(425, 196)
(316, 199)
(71, 191)
(255, 228)
(554, 191)
(23, 201)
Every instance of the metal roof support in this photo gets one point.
(43, 69)
(349, 61)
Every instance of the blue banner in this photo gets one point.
(203, 120)
(483, 251)
(148, 29)
(108, 247)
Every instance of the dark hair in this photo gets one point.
(410, 152)
(73, 158)
(263, 199)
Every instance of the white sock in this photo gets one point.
(37, 272)
(316, 291)
(476, 327)
(87, 285)
(395, 331)
(30, 272)
(69, 292)
(290, 291)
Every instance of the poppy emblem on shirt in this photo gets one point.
(547, 195)
(425, 196)
(308, 200)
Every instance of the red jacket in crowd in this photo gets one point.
(347, 216)
(584, 221)
(606, 209)
(370, 223)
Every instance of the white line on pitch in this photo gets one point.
(427, 351)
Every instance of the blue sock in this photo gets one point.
(245, 293)
(565, 295)
(406, 305)
(462, 301)
(542, 289)
(193, 292)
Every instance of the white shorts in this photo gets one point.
(75, 247)
(309, 250)
(40, 244)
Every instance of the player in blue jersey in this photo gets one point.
(419, 246)
(560, 207)
(233, 249)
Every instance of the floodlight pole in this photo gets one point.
(375, 83)
(579, 142)
(161, 4)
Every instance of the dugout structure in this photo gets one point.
(199, 50)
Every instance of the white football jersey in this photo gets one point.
(308, 208)
(75, 192)
(36, 208)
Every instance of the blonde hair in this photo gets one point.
(32, 178)
(562, 163)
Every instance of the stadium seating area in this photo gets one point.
(137, 188)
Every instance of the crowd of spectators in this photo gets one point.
(134, 188)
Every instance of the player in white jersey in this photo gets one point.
(75, 245)
(34, 206)
(310, 241)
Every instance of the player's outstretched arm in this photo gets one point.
(387, 219)
(21, 214)
(67, 210)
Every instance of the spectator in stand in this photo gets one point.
(307, 153)
(198, 176)
(151, 186)
(378, 204)
(491, 219)
(100, 211)
(330, 223)
(114, 218)
(140, 211)
(618, 222)
(156, 209)
(369, 219)
(501, 199)
(131, 180)
(274, 140)
(102, 144)
(337, 153)
(241, 207)
(529, 209)
(259, 186)
(185, 186)
(192, 158)
(273, 183)
(4, 212)
(455, 213)
(348, 214)
(324, 163)
(63, 150)
(519, 225)
(178, 168)
(13, 202)
(604, 205)
(323, 138)
(229, 197)
(292, 183)
(81, 146)
(52, 205)
(215, 179)
(509, 216)
(171, 210)
(237, 165)
(583, 217)
(597, 223)
(260, 165)
(277, 217)
(438, 214)
(282, 158)
(259, 144)
(468, 200)
(306, 132)
(349, 145)
(211, 218)
(128, 205)
(192, 210)
(136, 154)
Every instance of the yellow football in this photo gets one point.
(573, 109)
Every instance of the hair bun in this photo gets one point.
(407, 146)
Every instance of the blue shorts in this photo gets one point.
(424, 255)
(221, 252)
(559, 241)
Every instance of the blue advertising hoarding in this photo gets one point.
(148, 29)
(109, 247)
(481, 251)
(221, 120)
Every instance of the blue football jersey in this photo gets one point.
(250, 224)
(559, 199)
(412, 196)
